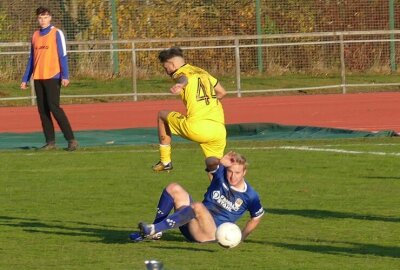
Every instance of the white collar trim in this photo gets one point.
(238, 190)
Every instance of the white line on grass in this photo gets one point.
(358, 144)
(307, 148)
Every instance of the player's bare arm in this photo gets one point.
(250, 226)
(181, 82)
(176, 88)
(220, 91)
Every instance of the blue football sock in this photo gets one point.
(177, 219)
(164, 206)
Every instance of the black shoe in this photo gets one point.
(72, 145)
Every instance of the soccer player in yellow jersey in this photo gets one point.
(204, 121)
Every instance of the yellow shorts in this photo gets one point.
(209, 134)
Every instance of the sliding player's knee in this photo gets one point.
(174, 188)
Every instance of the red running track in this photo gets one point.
(367, 111)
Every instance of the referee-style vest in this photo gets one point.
(45, 55)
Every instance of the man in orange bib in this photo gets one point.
(48, 64)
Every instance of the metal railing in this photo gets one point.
(236, 46)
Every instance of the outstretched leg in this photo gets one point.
(164, 133)
(164, 207)
(164, 137)
(173, 196)
(181, 203)
(202, 228)
(214, 147)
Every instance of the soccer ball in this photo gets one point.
(228, 235)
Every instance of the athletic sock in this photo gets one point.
(165, 153)
(177, 219)
(164, 207)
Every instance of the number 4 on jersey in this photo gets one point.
(204, 92)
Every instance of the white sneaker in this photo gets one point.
(156, 236)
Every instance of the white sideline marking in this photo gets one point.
(357, 144)
(307, 148)
(296, 148)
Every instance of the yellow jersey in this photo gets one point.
(199, 94)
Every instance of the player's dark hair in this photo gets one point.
(42, 11)
(165, 55)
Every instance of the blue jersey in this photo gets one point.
(226, 204)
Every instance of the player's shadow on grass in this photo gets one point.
(185, 248)
(350, 249)
(383, 177)
(101, 233)
(26, 148)
(39, 149)
(314, 213)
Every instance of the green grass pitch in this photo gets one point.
(330, 205)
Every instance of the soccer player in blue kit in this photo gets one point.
(228, 197)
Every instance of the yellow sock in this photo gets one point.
(165, 153)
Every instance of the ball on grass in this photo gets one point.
(228, 235)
